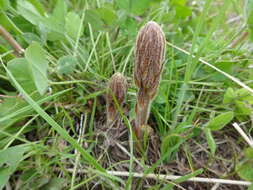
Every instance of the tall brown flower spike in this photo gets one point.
(117, 87)
(149, 57)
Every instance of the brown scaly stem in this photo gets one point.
(142, 109)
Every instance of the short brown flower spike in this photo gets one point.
(117, 87)
(148, 66)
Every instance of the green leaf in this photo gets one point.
(244, 95)
(107, 15)
(55, 184)
(8, 106)
(245, 170)
(210, 140)
(4, 4)
(248, 153)
(171, 141)
(29, 12)
(220, 121)
(39, 7)
(133, 6)
(92, 17)
(229, 96)
(183, 12)
(123, 4)
(55, 23)
(139, 7)
(242, 108)
(73, 25)
(30, 37)
(66, 64)
(60, 10)
(7, 23)
(36, 58)
(178, 2)
(9, 160)
(20, 69)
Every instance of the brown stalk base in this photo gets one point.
(222, 165)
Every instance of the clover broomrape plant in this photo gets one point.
(117, 89)
(148, 66)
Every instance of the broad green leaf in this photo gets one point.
(30, 37)
(130, 25)
(73, 25)
(7, 107)
(29, 12)
(55, 23)
(39, 7)
(139, 7)
(183, 11)
(66, 64)
(181, 8)
(123, 4)
(245, 170)
(55, 184)
(133, 6)
(93, 18)
(4, 4)
(242, 108)
(229, 96)
(36, 58)
(220, 121)
(107, 15)
(248, 153)
(60, 10)
(178, 2)
(244, 95)
(12, 155)
(9, 160)
(20, 69)
(210, 140)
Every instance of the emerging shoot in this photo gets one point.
(116, 94)
(148, 66)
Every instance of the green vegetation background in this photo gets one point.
(71, 50)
